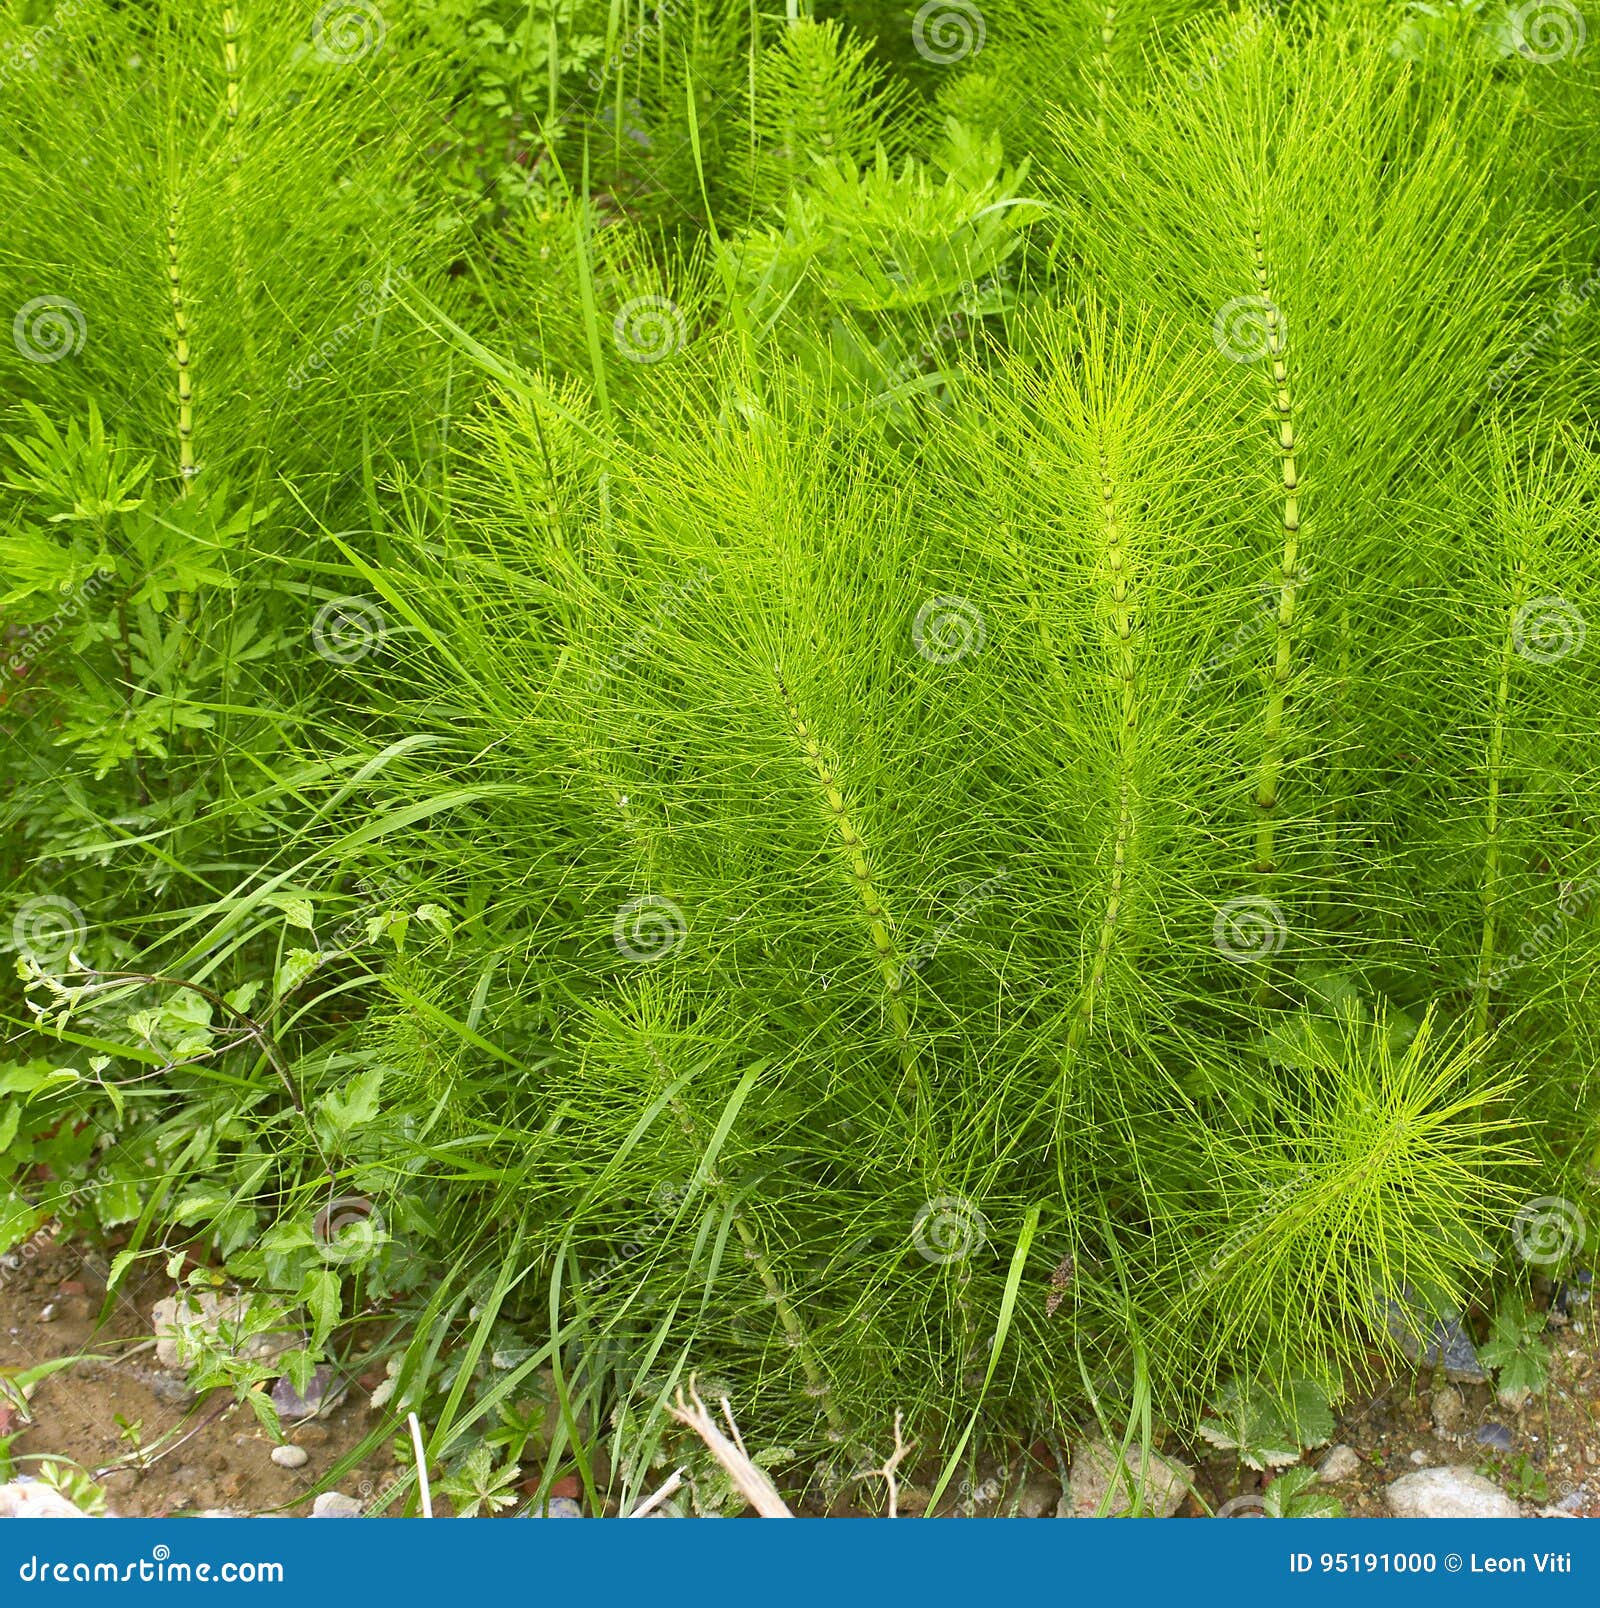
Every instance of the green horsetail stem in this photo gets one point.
(1108, 37)
(1491, 848)
(1125, 690)
(879, 928)
(241, 276)
(230, 63)
(794, 1331)
(180, 338)
(1267, 775)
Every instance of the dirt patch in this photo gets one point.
(161, 1451)
(1545, 1455)
(158, 1449)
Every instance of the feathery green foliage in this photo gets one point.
(901, 714)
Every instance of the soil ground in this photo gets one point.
(159, 1450)
(191, 1453)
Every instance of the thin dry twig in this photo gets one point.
(756, 1488)
(652, 1502)
(887, 1473)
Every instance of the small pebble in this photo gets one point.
(1339, 1464)
(290, 1456)
(336, 1505)
(1419, 1458)
(562, 1507)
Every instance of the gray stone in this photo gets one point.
(1096, 1482)
(290, 1456)
(1340, 1463)
(563, 1507)
(336, 1505)
(1495, 1435)
(1436, 1342)
(292, 1405)
(1449, 1493)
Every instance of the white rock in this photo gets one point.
(336, 1505)
(1340, 1463)
(27, 1499)
(290, 1456)
(1095, 1480)
(1038, 1498)
(196, 1316)
(1449, 1493)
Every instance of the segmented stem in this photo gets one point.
(180, 336)
(880, 930)
(1108, 36)
(230, 62)
(241, 275)
(1491, 850)
(1121, 627)
(1267, 774)
(794, 1330)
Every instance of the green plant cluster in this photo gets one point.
(892, 704)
